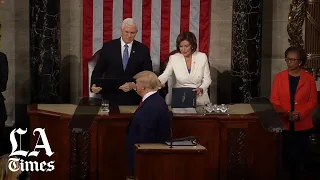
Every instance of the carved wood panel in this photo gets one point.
(233, 149)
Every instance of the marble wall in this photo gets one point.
(71, 67)
(220, 50)
(274, 41)
(14, 16)
(246, 50)
(45, 58)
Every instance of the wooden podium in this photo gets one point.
(159, 161)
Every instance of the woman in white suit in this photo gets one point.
(190, 67)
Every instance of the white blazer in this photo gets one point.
(199, 76)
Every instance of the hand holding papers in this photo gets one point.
(199, 91)
(183, 98)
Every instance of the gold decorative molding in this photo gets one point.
(313, 1)
(297, 15)
(312, 36)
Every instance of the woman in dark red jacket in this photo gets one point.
(294, 91)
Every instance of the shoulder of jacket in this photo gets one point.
(281, 73)
(2, 54)
(308, 75)
(140, 45)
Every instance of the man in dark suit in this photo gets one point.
(151, 121)
(121, 58)
(3, 86)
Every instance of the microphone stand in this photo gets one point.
(171, 117)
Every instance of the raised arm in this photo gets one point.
(206, 80)
(100, 66)
(167, 72)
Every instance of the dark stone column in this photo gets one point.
(45, 57)
(246, 50)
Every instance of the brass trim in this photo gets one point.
(296, 17)
(313, 22)
(313, 56)
(313, 1)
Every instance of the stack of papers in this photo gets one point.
(184, 111)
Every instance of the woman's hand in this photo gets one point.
(199, 91)
(293, 116)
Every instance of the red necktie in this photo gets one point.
(141, 102)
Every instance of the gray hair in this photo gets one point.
(129, 21)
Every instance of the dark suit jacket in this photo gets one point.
(3, 85)
(150, 124)
(109, 64)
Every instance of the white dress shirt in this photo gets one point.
(147, 95)
(122, 47)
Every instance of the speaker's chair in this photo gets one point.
(91, 64)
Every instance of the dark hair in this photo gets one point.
(188, 36)
(301, 53)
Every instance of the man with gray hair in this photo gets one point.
(151, 121)
(121, 59)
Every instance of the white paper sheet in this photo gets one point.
(184, 110)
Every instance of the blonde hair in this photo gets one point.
(148, 79)
(5, 173)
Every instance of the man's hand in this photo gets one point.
(199, 91)
(128, 86)
(96, 89)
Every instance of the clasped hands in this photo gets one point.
(293, 116)
(126, 87)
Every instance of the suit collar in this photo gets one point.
(123, 43)
(147, 100)
(147, 95)
(194, 66)
(302, 81)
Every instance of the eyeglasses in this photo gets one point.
(291, 60)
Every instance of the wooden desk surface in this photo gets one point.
(157, 147)
(69, 109)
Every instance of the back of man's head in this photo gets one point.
(149, 80)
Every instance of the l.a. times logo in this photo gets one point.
(18, 164)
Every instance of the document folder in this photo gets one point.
(186, 141)
(183, 98)
(109, 84)
(267, 115)
(85, 113)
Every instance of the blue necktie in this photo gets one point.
(125, 57)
